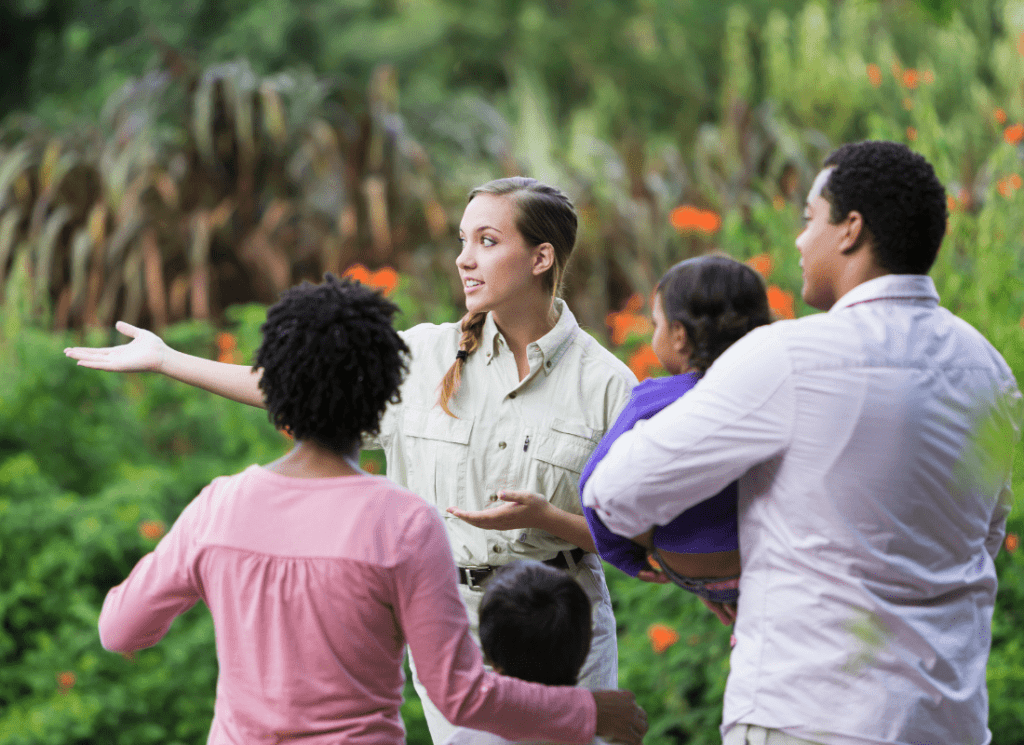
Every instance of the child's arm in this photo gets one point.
(147, 352)
(138, 612)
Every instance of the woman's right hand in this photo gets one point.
(144, 353)
(619, 718)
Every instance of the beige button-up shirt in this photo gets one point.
(534, 434)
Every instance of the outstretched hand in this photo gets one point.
(619, 718)
(144, 353)
(521, 509)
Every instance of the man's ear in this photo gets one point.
(855, 233)
(543, 258)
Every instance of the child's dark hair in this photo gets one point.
(331, 361)
(535, 623)
(899, 196)
(717, 299)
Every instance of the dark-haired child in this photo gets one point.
(535, 626)
(317, 574)
(701, 306)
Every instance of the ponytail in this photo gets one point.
(469, 342)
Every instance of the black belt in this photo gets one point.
(475, 576)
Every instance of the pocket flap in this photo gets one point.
(575, 428)
(434, 424)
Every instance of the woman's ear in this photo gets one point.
(543, 258)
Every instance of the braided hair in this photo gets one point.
(543, 215)
(331, 362)
(717, 299)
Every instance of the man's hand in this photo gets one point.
(522, 509)
(145, 353)
(619, 718)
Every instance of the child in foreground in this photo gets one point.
(534, 625)
(701, 306)
(317, 574)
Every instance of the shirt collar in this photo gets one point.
(890, 287)
(552, 345)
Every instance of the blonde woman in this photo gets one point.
(498, 414)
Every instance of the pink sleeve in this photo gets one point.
(450, 665)
(138, 612)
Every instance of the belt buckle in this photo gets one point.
(470, 582)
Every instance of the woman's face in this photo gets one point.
(669, 340)
(497, 267)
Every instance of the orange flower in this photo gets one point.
(227, 347)
(1000, 116)
(911, 133)
(950, 203)
(1014, 133)
(385, 279)
(908, 103)
(762, 264)
(1012, 542)
(628, 321)
(781, 302)
(1020, 43)
(874, 75)
(662, 637)
(1014, 180)
(643, 362)
(928, 77)
(911, 78)
(1005, 188)
(779, 202)
(688, 218)
(151, 530)
(65, 680)
(370, 466)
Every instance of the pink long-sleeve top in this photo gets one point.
(315, 586)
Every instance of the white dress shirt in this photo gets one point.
(873, 447)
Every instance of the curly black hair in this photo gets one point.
(535, 623)
(899, 196)
(717, 299)
(331, 361)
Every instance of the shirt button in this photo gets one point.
(498, 549)
(493, 498)
(501, 446)
(548, 364)
(512, 394)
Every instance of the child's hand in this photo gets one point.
(726, 612)
(522, 509)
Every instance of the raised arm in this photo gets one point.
(147, 352)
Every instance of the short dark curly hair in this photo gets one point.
(717, 299)
(331, 361)
(535, 623)
(899, 196)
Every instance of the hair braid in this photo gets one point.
(469, 342)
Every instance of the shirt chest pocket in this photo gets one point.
(437, 455)
(560, 454)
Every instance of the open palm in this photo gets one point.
(145, 352)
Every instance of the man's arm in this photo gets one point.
(739, 415)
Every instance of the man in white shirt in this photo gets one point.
(873, 446)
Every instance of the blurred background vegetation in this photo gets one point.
(177, 165)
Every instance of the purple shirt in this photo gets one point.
(707, 527)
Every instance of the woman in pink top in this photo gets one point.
(317, 574)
